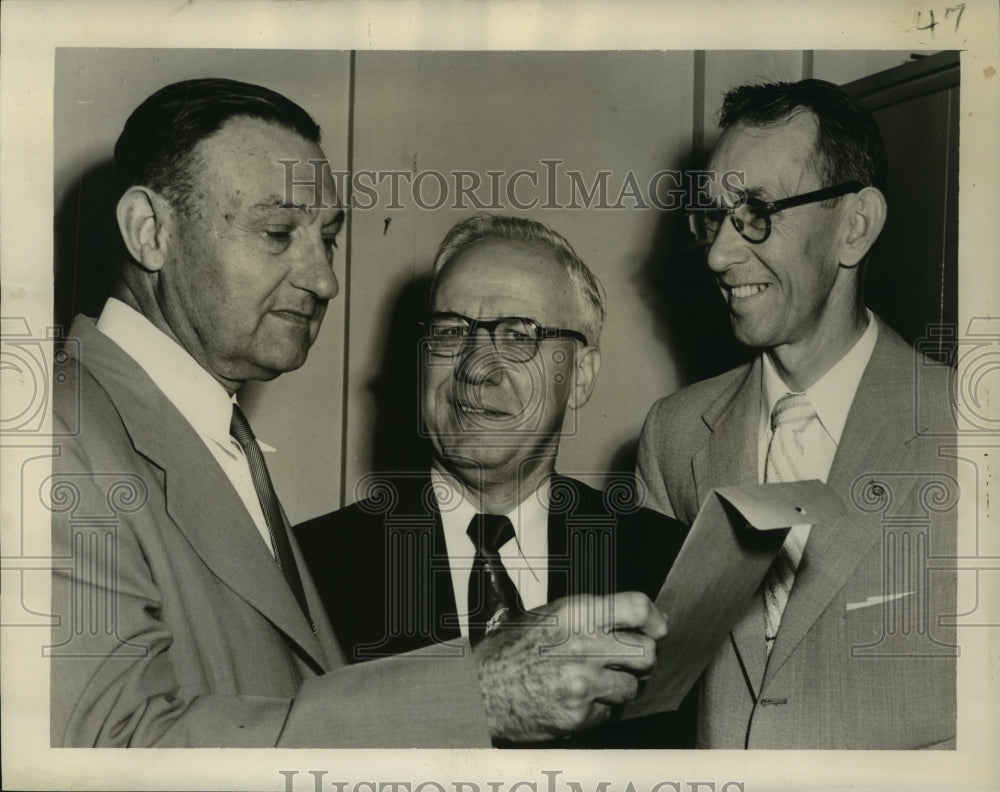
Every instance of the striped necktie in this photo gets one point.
(786, 461)
(239, 428)
(493, 597)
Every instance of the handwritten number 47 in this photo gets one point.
(953, 10)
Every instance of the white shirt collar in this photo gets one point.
(198, 396)
(833, 393)
(456, 509)
(525, 559)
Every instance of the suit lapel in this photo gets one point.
(438, 571)
(584, 542)
(204, 506)
(874, 441)
(729, 458)
(325, 634)
(561, 567)
(729, 455)
(199, 497)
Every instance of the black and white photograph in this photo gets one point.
(498, 397)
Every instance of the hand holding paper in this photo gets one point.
(729, 549)
(562, 668)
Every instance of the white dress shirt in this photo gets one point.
(525, 557)
(195, 393)
(831, 397)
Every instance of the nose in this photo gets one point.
(313, 272)
(727, 249)
(478, 363)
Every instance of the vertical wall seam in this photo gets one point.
(346, 290)
(698, 103)
(808, 64)
(949, 96)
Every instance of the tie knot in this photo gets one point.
(490, 532)
(239, 427)
(792, 410)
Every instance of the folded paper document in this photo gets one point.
(732, 543)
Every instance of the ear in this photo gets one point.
(588, 363)
(144, 220)
(864, 219)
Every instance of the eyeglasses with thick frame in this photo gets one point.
(752, 217)
(515, 338)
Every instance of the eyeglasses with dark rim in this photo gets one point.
(515, 338)
(752, 217)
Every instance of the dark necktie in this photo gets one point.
(493, 597)
(240, 429)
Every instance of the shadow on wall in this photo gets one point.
(623, 460)
(396, 442)
(679, 289)
(689, 315)
(86, 245)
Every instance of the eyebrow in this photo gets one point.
(756, 194)
(275, 203)
(449, 315)
(336, 220)
(435, 315)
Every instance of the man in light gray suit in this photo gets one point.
(846, 644)
(183, 612)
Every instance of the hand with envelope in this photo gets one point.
(561, 668)
(731, 545)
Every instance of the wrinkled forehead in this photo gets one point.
(774, 160)
(495, 277)
(254, 160)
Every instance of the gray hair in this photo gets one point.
(481, 227)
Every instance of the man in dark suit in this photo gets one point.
(511, 346)
(184, 615)
(847, 643)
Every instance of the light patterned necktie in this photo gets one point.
(493, 597)
(786, 461)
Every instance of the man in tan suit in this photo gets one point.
(185, 615)
(847, 644)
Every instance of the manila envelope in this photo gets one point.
(730, 547)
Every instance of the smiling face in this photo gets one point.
(787, 293)
(249, 270)
(488, 416)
